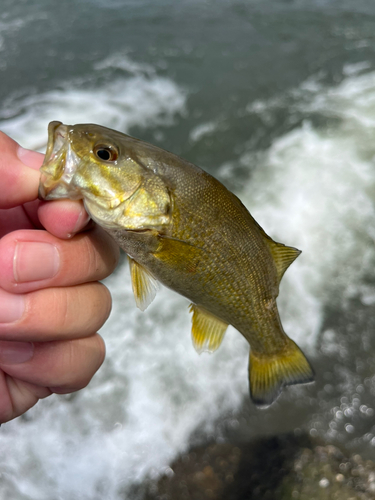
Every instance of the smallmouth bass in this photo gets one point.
(180, 226)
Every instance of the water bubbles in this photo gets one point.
(329, 388)
(356, 401)
(368, 436)
(324, 482)
(348, 412)
(349, 428)
(167, 471)
(339, 415)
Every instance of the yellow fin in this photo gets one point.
(269, 374)
(181, 255)
(207, 330)
(282, 255)
(144, 284)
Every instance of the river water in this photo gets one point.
(276, 99)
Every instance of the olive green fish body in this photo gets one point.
(225, 266)
(182, 227)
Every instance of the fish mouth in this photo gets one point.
(57, 135)
(59, 165)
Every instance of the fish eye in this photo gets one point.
(106, 153)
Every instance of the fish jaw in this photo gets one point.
(59, 165)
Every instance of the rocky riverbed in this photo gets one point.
(285, 467)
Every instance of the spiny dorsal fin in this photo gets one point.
(207, 330)
(144, 284)
(268, 374)
(282, 255)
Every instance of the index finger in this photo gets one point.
(19, 182)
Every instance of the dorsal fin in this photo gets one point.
(144, 284)
(282, 255)
(207, 330)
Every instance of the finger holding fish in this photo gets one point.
(21, 178)
(19, 206)
(40, 369)
(31, 260)
(49, 311)
(56, 361)
(55, 313)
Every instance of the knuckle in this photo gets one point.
(78, 364)
(90, 262)
(106, 253)
(66, 312)
(106, 301)
(59, 307)
(92, 307)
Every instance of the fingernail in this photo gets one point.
(30, 158)
(35, 261)
(12, 353)
(12, 307)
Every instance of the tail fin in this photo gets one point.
(268, 374)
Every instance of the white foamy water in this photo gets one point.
(314, 190)
(317, 193)
(136, 97)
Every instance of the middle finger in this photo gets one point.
(31, 259)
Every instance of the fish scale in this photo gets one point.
(180, 226)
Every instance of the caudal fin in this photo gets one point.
(268, 374)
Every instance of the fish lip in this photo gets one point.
(59, 164)
(50, 189)
(42, 194)
(52, 132)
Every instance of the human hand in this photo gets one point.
(51, 303)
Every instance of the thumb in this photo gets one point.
(19, 176)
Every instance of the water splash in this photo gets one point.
(133, 95)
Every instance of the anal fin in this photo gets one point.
(207, 330)
(268, 374)
(144, 284)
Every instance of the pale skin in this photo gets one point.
(51, 304)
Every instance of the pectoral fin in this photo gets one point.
(144, 284)
(270, 373)
(178, 254)
(207, 330)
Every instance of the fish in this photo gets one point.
(182, 228)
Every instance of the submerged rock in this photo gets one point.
(276, 468)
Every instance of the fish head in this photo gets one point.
(102, 167)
